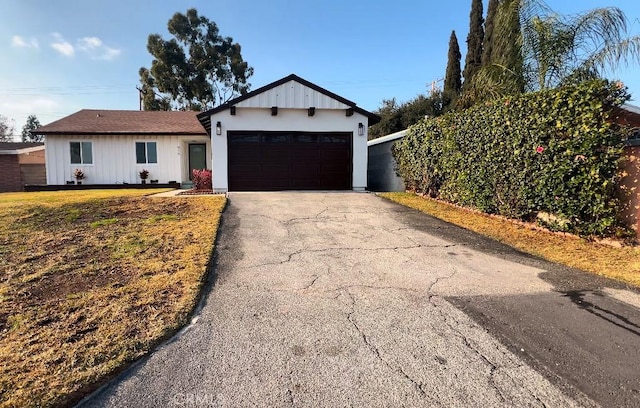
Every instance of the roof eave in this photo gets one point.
(133, 133)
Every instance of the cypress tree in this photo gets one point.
(452, 78)
(507, 46)
(473, 60)
(489, 23)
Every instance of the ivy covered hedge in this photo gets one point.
(552, 155)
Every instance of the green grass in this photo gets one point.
(620, 263)
(102, 223)
(91, 280)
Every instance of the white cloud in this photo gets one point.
(89, 43)
(62, 46)
(21, 42)
(95, 49)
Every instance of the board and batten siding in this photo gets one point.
(114, 158)
(297, 120)
(292, 95)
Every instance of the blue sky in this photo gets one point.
(65, 55)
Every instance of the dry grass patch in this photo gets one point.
(92, 280)
(618, 263)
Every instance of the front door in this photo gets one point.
(197, 157)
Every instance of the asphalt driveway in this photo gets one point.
(345, 299)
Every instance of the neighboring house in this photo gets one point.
(381, 174)
(288, 135)
(629, 115)
(21, 164)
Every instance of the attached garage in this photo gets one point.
(288, 135)
(289, 161)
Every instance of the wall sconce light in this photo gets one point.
(274, 110)
(360, 129)
(218, 128)
(311, 111)
(232, 111)
(349, 112)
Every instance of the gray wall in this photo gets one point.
(381, 174)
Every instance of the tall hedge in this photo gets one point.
(552, 155)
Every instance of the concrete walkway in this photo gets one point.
(344, 299)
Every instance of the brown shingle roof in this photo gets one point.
(107, 122)
(18, 145)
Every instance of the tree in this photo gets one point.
(389, 119)
(396, 117)
(489, 24)
(536, 48)
(32, 124)
(452, 78)
(561, 49)
(6, 129)
(473, 59)
(196, 70)
(506, 53)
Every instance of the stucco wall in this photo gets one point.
(631, 188)
(381, 173)
(114, 159)
(36, 157)
(324, 120)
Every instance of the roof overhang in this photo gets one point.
(388, 138)
(133, 133)
(26, 150)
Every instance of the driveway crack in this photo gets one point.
(493, 368)
(291, 255)
(418, 386)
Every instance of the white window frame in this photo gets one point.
(146, 151)
(82, 154)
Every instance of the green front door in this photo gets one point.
(197, 157)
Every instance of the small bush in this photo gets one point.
(202, 179)
(555, 152)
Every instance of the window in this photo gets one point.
(81, 152)
(146, 152)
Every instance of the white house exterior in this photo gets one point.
(111, 143)
(296, 112)
(288, 135)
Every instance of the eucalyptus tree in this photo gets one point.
(197, 69)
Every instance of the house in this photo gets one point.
(113, 146)
(381, 172)
(629, 115)
(288, 135)
(21, 164)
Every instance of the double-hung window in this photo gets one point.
(146, 153)
(81, 152)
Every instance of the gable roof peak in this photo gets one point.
(205, 117)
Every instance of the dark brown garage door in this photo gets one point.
(268, 161)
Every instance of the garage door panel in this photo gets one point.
(289, 160)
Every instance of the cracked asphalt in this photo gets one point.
(345, 299)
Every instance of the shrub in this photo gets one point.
(202, 179)
(554, 152)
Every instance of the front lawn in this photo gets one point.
(618, 263)
(92, 280)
